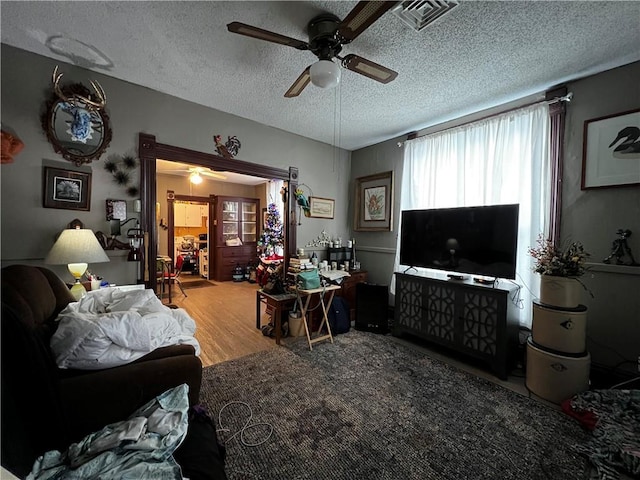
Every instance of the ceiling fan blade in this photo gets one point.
(368, 68)
(361, 18)
(259, 33)
(212, 174)
(301, 82)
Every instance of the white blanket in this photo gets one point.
(109, 327)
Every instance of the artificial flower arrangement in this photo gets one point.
(552, 260)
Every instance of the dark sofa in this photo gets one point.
(44, 407)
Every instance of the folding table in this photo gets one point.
(304, 299)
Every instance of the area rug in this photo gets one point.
(368, 407)
(197, 284)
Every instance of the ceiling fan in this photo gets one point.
(196, 174)
(327, 35)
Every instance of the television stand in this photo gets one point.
(467, 317)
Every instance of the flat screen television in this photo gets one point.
(474, 240)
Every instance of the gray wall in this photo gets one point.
(591, 216)
(28, 229)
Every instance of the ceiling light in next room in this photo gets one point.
(195, 178)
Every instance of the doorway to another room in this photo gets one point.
(224, 310)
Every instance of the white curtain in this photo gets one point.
(500, 160)
(274, 196)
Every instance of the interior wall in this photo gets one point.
(28, 230)
(591, 216)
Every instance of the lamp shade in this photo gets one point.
(77, 245)
(325, 74)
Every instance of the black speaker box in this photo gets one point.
(372, 305)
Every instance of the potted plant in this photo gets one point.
(559, 269)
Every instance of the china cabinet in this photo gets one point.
(236, 234)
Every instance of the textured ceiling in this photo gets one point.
(479, 55)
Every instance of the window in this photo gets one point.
(500, 160)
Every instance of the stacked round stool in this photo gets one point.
(558, 363)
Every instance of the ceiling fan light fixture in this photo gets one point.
(325, 74)
(195, 178)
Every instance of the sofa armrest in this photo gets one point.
(157, 354)
(170, 351)
(92, 400)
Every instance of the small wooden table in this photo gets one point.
(278, 303)
(304, 307)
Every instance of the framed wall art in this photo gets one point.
(116, 209)
(611, 151)
(66, 189)
(321, 207)
(374, 203)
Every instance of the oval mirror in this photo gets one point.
(75, 130)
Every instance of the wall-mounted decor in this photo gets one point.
(116, 209)
(611, 151)
(321, 207)
(75, 121)
(10, 145)
(121, 168)
(229, 149)
(302, 200)
(374, 203)
(66, 189)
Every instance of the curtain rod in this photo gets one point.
(565, 98)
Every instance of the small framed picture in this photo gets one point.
(611, 152)
(116, 209)
(66, 189)
(374, 203)
(321, 207)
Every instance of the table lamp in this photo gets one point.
(76, 247)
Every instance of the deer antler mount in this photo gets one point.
(75, 120)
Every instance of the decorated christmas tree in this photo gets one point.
(272, 237)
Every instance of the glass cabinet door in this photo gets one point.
(229, 220)
(249, 224)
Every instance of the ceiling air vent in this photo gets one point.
(420, 14)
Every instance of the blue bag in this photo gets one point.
(339, 316)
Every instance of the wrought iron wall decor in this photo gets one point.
(75, 121)
(122, 168)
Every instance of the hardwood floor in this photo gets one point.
(225, 316)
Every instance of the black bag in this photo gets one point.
(269, 330)
(200, 456)
(339, 316)
(274, 286)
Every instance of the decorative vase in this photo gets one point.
(563, 292)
